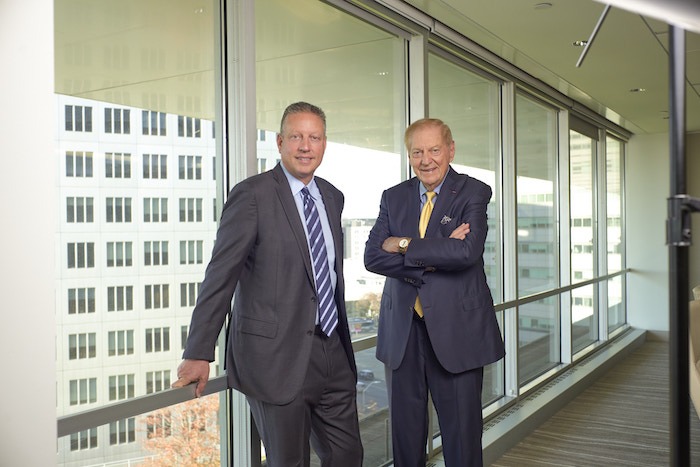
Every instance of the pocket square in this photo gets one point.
(445, 220)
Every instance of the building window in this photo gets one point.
(153, 123)
(81, 255)
(190, 209)
(119, 254)
(213, 204)
(120, 298)
(190, 167)
(157, 381)
(188, 293)
(79, 164)
(155, 166)
(191, 251)
(82, 346)
(155, 209)
(78, 118)
(117, 165)
(157, 296)
(184, 330)
(120, 343)
(155, 253)
(157, 340)
(158, 424)
(86, 439)
(81, 300)
(188, 127)
(122, 431)
(121, 387)
(118, 210)
(83, 391)
(79, 209)
(117, 121)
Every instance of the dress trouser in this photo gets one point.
(325, 412)
(457, 400)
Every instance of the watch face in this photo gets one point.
(403, 243)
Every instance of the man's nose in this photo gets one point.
(304, 144)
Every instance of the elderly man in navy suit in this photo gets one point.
(437, 325)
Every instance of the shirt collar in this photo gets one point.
(297, 185)
(423, 190)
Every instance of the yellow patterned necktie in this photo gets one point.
(422, 227)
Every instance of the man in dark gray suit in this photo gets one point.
(280, 247)
(437, 325)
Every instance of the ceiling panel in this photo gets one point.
(629, 52)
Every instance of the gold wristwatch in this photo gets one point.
(403, 244)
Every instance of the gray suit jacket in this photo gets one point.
(261, 252)
(457, 304)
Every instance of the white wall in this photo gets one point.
(647, 178)
(27, 326)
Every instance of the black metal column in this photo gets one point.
(679, 240)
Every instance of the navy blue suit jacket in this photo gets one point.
(457, 303)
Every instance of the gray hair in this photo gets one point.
(303, 107)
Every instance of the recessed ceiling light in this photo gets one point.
(542, 6)
(638, 90)
(580, 43)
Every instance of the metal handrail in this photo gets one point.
(87, 419)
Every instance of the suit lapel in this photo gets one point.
(413, 205)
(284, 193)
(448, 193)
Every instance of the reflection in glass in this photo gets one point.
(536, 176)
(118, 153)
(616, 306)
(584, 315)
(615, 247)
(318, 62)
(182, 434)
(538, 322)
(539, 347)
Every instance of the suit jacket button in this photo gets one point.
(309, 333)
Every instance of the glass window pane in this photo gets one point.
(470, 104)
(536, 214)
(108, 309)
(616, 304)
(366, 121)
(613, 180)
(539, 347)
(584, 317)
(584, 312)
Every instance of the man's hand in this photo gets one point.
(460, 232)
(191, 371)
(391, 244)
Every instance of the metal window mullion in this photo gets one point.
(564, 230)
(509, 229)
(601, 241)
(239, 142)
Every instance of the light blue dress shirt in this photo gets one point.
(297, 185)
(423, 190)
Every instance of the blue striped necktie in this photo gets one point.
(327, 311)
